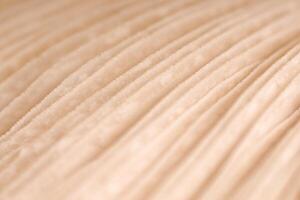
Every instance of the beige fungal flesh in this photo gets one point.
(149, 99)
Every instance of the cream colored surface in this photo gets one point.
(149, 99)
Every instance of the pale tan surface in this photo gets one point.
(149, 99)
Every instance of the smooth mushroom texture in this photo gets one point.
(149, 99)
